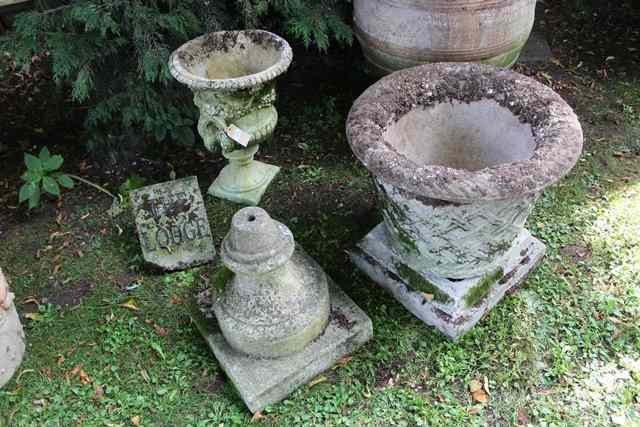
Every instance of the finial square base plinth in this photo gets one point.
(452, 306)
(264, 381)
(244, 185)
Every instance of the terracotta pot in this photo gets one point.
(397, 34)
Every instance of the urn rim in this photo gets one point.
(181, 71)
(555, 128)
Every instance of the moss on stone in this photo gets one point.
(480, 291)
(221, 277)
(418, 283)
(397, 217)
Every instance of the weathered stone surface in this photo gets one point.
(277, 301)
(280, 319)
(172, 224)
(232, 75)
(452, 306)
(459, 152)
(555, 131)
(402, 34)
(265, 381)
(12, 341)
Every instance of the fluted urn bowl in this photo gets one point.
(459, 154)
(232, 75)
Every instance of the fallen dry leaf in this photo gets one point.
(33, 316)
(318, 380)
(474, 385)
(84, 378)
(479, 391)
(474, 410)
(480, 396)
(344, 361)
(257, 417)
(145, 375)
(130, 304)
(135, 420)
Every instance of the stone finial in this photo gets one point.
(281, 320)
(256, 243)
(277, 301)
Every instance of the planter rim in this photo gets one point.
(179, 70)
(557, 133)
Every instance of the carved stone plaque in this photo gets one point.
(172, 224)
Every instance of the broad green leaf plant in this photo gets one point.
(42, 176)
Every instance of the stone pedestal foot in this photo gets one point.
(243, 180)
(264, 381)
(452, 306)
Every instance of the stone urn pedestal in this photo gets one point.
(281, 320)
(12, 345)
(459, 154)
(232, 75)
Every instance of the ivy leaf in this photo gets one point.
(34, 200)
(65, 181)
(53, 163)
(50, 186)
(44, 154)
(26, 191)
(33, 163)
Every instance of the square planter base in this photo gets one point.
(452, 306)
(237, 187)
(262, 381)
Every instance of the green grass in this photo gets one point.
(562, 351)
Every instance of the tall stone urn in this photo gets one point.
(397, 34)
(459, 154)
(281, 320)
(232, 75)
(12, 344)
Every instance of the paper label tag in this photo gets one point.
(238, 135)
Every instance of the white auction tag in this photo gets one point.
(238, 135)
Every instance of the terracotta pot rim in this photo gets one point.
(556, 131)
(181, 72)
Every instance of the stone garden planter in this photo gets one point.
(396, 34)
(232, 75)
(12, 344)
(281, 320)
(459, 154)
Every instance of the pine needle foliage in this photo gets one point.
(112, 54)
